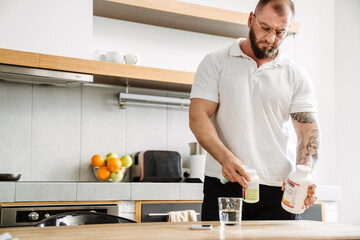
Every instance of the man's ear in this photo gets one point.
(250, 19)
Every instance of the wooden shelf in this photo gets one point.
(15, 57)
(104, 72)
(179, 15)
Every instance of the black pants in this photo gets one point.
(268, 207)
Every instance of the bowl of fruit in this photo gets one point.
(112, 168)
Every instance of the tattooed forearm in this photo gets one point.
(302, 117)
(308, 149)
(308, 138)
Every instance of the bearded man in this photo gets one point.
(242, 100)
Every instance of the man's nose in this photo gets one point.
(270, 37)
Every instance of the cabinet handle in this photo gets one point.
(162, 214)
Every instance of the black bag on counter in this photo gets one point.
(156, 166)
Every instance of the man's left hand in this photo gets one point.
(311, 198)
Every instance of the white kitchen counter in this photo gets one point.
(26, 191)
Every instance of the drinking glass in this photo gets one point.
(230, 211)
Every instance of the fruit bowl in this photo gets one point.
(109, 179)
(112, 168)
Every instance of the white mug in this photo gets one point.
(114, 56)
(133, 59)
(99, 55)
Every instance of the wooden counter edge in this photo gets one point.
(57, 203)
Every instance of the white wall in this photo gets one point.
(347, 98)
(158, 46)
(54, 27)
(315, 53)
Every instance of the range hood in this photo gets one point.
(42, 76)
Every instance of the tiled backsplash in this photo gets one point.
(49, 133)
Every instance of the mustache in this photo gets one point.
(266, 42)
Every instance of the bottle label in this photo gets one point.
(251, 193)
(290, 193)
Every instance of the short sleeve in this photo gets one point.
(206, 81)
(303, 99)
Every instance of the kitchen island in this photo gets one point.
(174, 231)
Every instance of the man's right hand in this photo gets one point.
(234, 170)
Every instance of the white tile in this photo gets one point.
(15, 130)
(45, 191)
(191, 191)
(179, 134)
(103, 191)
(103, 126)
(155, 191)
(145, 128)
(7, 191)
(56, 133)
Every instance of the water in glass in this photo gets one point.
(230, 217)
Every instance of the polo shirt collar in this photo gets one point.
(236, 51)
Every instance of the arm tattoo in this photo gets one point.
(302, 117)
(307, 152)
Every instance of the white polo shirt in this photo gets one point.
(254, 106)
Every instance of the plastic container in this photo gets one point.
(296, 190)
(251, 193)
(223, 180)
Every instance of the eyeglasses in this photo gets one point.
(267, 30)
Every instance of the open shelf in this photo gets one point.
(15, 57)
(104, 72)
(179, 15)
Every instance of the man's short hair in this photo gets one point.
(280, 7)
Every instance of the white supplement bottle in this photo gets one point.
(223, 180)
(251, 193)
(296, 190)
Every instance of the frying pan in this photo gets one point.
(9, 176)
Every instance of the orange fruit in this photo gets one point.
(97, 160)
(103, 173)
(114, 164)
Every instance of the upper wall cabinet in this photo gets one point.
(179, 15)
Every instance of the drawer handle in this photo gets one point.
(162, 214)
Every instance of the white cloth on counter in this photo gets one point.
(182, 216)
(7, 236)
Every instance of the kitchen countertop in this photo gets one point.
(159, 231)
(23, 191)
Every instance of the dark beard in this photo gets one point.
(261, 53)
